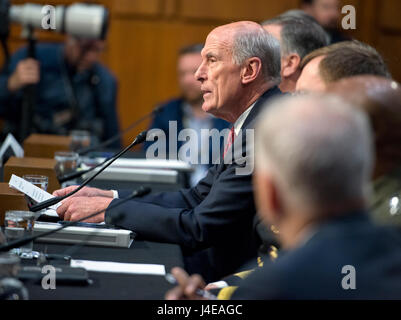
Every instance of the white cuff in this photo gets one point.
(115, 194)
(219, 284)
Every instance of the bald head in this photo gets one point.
(232, 28)
(240, 61)
(380, 98)
(317, 150)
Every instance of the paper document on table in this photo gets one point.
(32, 191)
(116, 267)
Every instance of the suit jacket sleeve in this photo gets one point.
(196, 218)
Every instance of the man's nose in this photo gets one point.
(200, 74)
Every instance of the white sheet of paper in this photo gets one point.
(117, 267)
(31, 191)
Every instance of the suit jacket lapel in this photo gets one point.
(259, 105)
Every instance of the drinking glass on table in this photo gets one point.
(67, 162)
(17, 225)
(80, 139)
(38, 180)
(10, 287)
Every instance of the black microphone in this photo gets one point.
(109, 141)
(18, 243)
(45, 204)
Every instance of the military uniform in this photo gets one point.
(385, 205)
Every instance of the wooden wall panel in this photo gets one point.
(143, 7)
(146, 60)
(228, 10)
(389, 45)
(390, 14)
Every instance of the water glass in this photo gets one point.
(80, 139)
(40, 181)
(67, 162)
(17, 225)
(9, 265)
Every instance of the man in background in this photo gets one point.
(327, 14)
(380, 98)
(72, 90)
(187, 111)
(298, 37)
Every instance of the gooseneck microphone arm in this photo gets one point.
(118, 136)
(77, 174)
(45, 204)
(18, 243)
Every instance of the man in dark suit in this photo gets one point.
(212, 222)
(314, 159)
(186, 111)
(298, 36)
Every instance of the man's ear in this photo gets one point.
(251, 70)
(275, 201)
(290, 65)
(270, 206)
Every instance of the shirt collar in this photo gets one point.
(240, 121)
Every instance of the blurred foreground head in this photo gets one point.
(314, 159)
(380, 98)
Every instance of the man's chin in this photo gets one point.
(207, 108)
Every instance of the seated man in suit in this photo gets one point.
(314, 160)
(298, 37)
(338, 61)
(380, 98)
(212, 221)
(187, 111)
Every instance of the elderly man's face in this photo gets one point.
(220, 77)
(310, 79)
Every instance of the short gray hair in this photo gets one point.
(299, 35)
(318, 147)
(261, 44)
